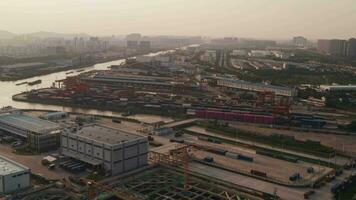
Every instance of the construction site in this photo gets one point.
(213, 137)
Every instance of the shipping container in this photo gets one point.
(176, 140)
(214, 140)
(335, 188)
(234, 116)
(278, 156)
(310, 170)
(258, 173)
(203, 138)
(295, 177)
(217, 151)
(245, 158)
(231, 155)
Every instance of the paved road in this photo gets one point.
(338, 160)
(33, 162)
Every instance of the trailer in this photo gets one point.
(245, 158)
(258, 173)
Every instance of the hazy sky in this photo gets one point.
(241, 18)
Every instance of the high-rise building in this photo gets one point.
(332, 47)
(323, 46)
(132, 44)
(351, 48)
(133, 37)
(300, 41)
(145, 45)
(338, 47)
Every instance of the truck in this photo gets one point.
(209, 159)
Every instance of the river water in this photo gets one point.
(9, 88)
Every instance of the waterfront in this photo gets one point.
(9, 88)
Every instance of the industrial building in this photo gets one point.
(300, 41)
(131, 80)
(145, 45)
(337, 47)
(41, 135)
(131, 44)
(256, 87)
(13, 176)
(113, 150)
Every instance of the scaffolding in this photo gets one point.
(164, 183)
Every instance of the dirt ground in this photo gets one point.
(343, 143)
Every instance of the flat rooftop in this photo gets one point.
(106, 134)
(28, 123)
(8, 166)
(237, 81)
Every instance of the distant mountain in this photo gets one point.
(6, 35)
(43, 34)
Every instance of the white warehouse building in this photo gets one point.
(115, 151)
(13, 176)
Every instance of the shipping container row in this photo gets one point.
(238, 156)
(235, 116)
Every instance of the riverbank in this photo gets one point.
(55, 69)
(175, 114)
(41, 72)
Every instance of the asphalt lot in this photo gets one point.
(33, 162)
(278, 170)
(338, 160)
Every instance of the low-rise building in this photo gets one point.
(162, 131)
(13, 176)
(41, 135)
(115, 151)
(256, 87)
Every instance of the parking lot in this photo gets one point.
(270, 166)
(33, 162)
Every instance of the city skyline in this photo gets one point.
(275, 19)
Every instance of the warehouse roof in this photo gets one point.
(106, 134)
(338, 87)
(237, 81)
(28, 123)
(8, 166)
